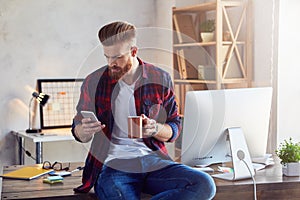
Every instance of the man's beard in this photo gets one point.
(120, 71)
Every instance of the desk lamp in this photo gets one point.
(42, 100)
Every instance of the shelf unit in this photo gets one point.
(225, 62)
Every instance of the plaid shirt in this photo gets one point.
(154, 97)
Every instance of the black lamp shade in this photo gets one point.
(41, 98)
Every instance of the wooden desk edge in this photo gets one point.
(281, 186)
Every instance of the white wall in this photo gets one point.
(54, 39)
(288, 71)
(263, 39)
(265, 53)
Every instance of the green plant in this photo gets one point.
(208, 25)
(288, 151)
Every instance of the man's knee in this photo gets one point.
(204, 186)
(209, 187)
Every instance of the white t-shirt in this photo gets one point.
(121, 146)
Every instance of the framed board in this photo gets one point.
(61, 106)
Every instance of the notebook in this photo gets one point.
(27, 173)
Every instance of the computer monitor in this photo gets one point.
(207, 115)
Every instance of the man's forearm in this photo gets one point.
(164, 132)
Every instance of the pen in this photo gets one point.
(77, 169)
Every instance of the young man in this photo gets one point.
(120, 167)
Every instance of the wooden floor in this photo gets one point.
(270, 185)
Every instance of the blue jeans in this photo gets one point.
(163, 179)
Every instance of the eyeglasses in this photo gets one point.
(117, 57)
(57, 166)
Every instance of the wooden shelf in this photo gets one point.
(182, 45)
(194, 44)
(219, 60)
(209, 6)
(195, 81)
(195, 8)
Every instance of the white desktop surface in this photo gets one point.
(49, 135)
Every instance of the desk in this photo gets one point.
(270, 185)
(50, 135)
(36, 189)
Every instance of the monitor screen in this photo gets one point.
(207, 115)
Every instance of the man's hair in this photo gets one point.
(117, 32)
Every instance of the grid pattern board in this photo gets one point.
(61, 106)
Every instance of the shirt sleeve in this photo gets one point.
(86, 101)
(171, 107)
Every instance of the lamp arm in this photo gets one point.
(42, 99)
(29, 107)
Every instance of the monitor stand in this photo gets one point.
(241, 160)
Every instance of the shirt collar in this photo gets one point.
(144, 68)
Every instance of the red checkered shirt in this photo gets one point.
(154, 97)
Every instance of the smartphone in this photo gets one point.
(89, 114)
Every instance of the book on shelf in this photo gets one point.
(191, 71)
(184, 28)
(186, 69)
(181, 64)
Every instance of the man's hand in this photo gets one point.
(150, 127)
(90, 127)
(87, 129)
